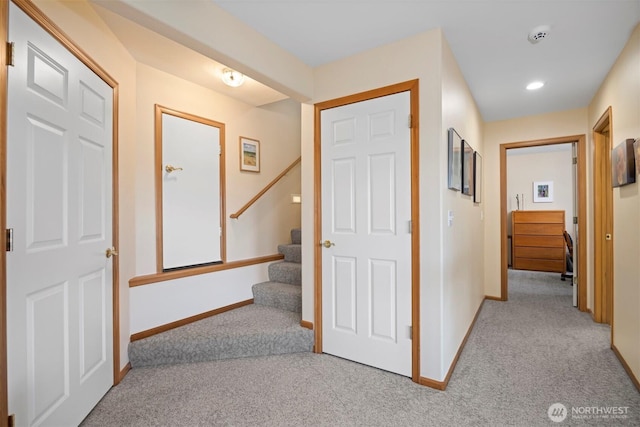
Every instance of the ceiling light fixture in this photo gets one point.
(535, 85)
(232, 78)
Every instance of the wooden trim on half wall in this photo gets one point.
(411, 86)
(179, 274)
(581, 142)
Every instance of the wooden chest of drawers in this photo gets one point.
(538, 241)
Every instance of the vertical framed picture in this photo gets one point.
(636, 150)
(249, 154)
(467, 168)
(543, 192)
(455, 161)
(477, 177)
(623, 164)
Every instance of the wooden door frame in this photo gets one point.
(603, 249)
(580, 140)
(412, 87)
(49, 26)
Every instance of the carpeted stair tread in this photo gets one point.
(253, 330)
(292, 252)
(285, 272)
(278, 295)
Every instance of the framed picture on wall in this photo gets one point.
(467, 168)
(477, 177)
(455, 162)
(543, 192)
(623, 164)
(249, 154)
(636, 150)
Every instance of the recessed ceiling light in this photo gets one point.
(535, 85)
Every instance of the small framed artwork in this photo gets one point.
(249, 154)
(455, 162)
(477, 177)
(636, 150)
(467, 168)
(543, 192)
(623, 164)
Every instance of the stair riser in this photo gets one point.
(278, 295)
(219, 349)
(296, 236)
(292, 253)
(285, 272)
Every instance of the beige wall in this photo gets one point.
(621, 91)
(449, 295)
(257, 232)
(526, 166)
(462, 258)
(277, 126)
(544, 126)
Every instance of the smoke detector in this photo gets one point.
(539, 33)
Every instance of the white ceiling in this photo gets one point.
(487, 37)
(155, 50)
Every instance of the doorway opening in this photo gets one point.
(579, 241)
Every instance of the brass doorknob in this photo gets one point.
(110, 252)
(170, 168)
(327, 243)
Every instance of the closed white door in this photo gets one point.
(191, 191)
(59, 205)
(366, 213)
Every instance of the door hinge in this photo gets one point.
(12, 420)
(410, 332)
(410, 121)
(410, 226)
(10, 48)
(575, 219)
(9, 240)
(219, 150)
(575, 160)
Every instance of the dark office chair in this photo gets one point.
(569, 258)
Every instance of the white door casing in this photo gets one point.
(191, 190)
(366, 214)
(59, 205)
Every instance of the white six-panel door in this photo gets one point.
(366, 213)
(59, 205)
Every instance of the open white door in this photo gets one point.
(192, 222)
(366, 214)
(59, 205)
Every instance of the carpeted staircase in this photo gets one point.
(271, 325)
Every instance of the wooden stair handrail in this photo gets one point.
(265, 189)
